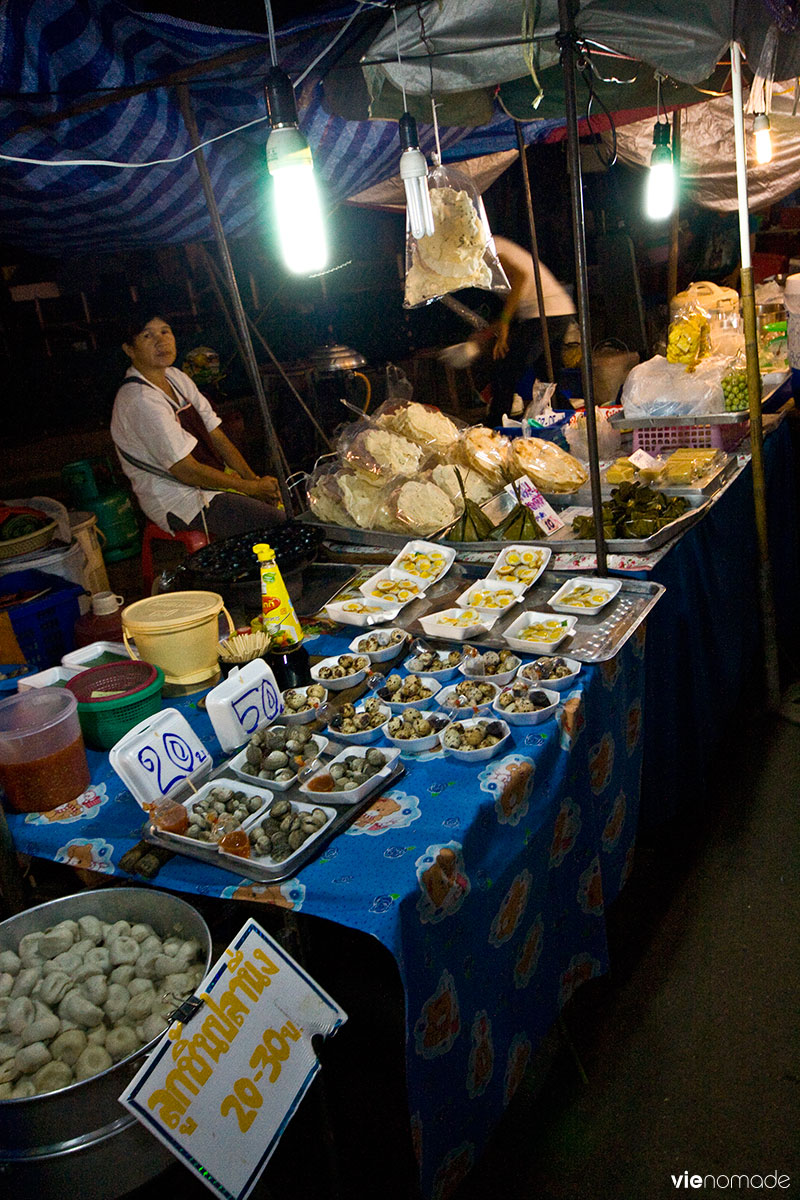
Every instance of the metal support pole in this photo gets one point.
(675, 219)
(251, 364)
(214, 272)
(566, 41)
(526, 181)
(771, 674)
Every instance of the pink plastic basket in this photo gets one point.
(670, 437)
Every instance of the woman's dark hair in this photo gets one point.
(133, 324)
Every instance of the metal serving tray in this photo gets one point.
(706, 485)
(247, 868)
(560, 542)
(596, 638)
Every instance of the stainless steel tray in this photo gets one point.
(705, 486)
(261, 872)
(560, 542)
(595, 639)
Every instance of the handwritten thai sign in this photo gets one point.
(546, 516)
(220, 1088)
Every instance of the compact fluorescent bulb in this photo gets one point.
(297, 208)
(660, 189)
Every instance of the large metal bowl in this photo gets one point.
(81, 1137)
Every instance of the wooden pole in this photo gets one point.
(526, 183)
(566, 41)
(274, 453)
(769, 628)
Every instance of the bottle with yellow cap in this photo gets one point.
(278, 616)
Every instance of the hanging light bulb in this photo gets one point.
(660, 190)
(298, 211)
(763, 138)
(414, 174)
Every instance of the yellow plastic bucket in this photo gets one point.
(178, 632)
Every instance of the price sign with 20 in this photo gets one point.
(220, 1087)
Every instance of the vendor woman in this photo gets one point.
(184, 470)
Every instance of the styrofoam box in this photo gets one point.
(397, 706)
(84, 654)
(493, 586)
(386, 653)
(552, 685)
(527, 619)
(541, 555)
(53, 675)
(529, 718)
(472, 756)
(418, 547)
(609, 587)
(286, 863)
(238, 760)
(358, 793)
(337, 685)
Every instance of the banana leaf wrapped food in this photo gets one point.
(519, 526)
(634, 511)
(473, 525)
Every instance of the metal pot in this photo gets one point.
(81, 1137)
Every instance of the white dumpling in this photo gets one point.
(117, 1002)
(56, 941)
(121, 1042)
(91, 928)
(97, 1036)
(100, 959)
(9, 962)
(151, 945)
(28, 949)
(68, 1046)
(6, 1091)
(140, 931)
(95, 988)
(93, 1060)
(30, 1058)
(118, 929)
(75, 1007)
(52, 989)
(52, 1077)
(140, 1006)
(4, 1003)
(24, 1089)
(10, 1043)
(67, 961)
(152, 1027)
(21, 1012)
(26, 981)
(44, 1026)
(124, 949)
(123, 974)
(6, 983)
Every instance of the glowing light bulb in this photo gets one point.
(297, 208)
(660, 188)
(414, 174)
(763, 138)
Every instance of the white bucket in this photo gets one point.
(85, 531)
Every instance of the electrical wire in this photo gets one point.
(100, 162)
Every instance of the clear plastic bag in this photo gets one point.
(337, 496)
(486, 452)
(416, 506)
(460, 252)
(378, 454)
(658, 388)
(689, 336)
(609, 439)
(424, 424)
(549, 467)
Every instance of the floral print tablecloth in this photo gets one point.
(488, 884)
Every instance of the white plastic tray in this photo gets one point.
(534, 558)
(420, 547)
(608, 587)
(512, 634)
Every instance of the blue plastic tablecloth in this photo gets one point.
(488, 884)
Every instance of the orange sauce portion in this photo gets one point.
(172, 818)
(321, 783)
(235, 842)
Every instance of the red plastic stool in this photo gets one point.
(192, 539)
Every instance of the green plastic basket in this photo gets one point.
(105, 720)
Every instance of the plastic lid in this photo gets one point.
(792, 285)
(34, 712)
(158, 755)
(173, 610)
(263, 552)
